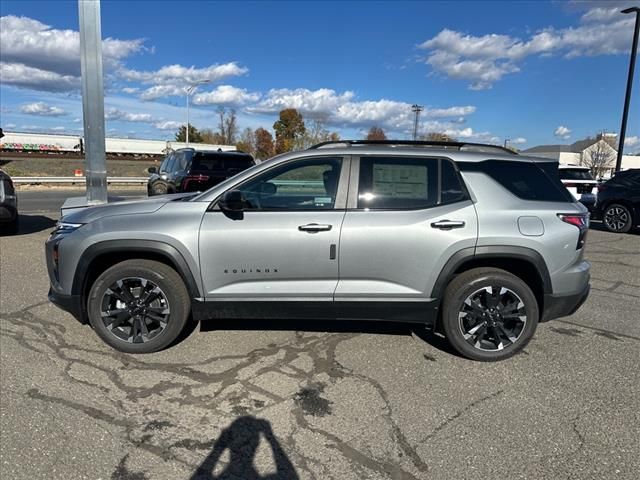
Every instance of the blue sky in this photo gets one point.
(533, 72)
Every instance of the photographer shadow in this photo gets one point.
(242, 438)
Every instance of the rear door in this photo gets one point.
(283, 246)
(407, 216)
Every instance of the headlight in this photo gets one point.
(65, 227)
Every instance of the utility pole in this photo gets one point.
(93, 100)
(416, 109)
(506, 140)
(627, 97)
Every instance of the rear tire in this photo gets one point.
(489, 314)
(138, 306)
(617, 218)
(159, 189)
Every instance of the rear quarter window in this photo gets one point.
(526, 180)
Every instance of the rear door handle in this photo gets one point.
(315, 227)
(447, 224)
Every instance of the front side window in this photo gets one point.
(398, 183)
(309, 184)
(165, 163)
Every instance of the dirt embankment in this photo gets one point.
(65, 167)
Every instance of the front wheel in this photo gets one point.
(617, 218)
(489, 314)
(159, 188)
(138, 306)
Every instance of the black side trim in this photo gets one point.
(487, 253)
(556, 306)
(413, 312)
(127, 246)
(68, 303)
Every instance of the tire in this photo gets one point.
(163, 315)
(617, 218)
(159, 189)
(501, 332)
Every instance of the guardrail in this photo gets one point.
(77, 180)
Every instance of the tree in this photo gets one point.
(289, 127)
(247, 142)
(209, 136)
(316, 133)
(263, 144)
(194, 134)
(438, 137)
(227, 126)
(376, 133)
(599, 158)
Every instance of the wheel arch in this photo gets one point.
(522, 262)
(100, 256)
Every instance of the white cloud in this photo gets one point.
(518, 141)
(168, 125)
(130, 89)
(225, 95)
(343, 109)
(484, 60)
(631, 141)
(58, 129)
(562, 132)
(42, 109)
(31, 49)
(115, 114)
(10, 125)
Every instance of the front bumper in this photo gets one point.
(556, 306)
(68, 303)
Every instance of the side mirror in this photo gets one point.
(232, 201)
(152, 170)
(268, 189)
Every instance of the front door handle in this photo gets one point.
(447, 224)
(315, 227)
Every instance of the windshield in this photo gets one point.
(574, 174)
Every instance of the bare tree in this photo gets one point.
(316, 132)
(599, 158)
(438, 137)
(376, 133)
(247, 142)
(227, 125)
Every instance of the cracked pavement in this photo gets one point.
(318, 400)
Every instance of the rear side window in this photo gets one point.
(526, 180)
(451, 189)
(398, 183)
(574, 174)
(207, 161)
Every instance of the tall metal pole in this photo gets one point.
(189, 90)
(627, 97)
(93, 100)
(416, 109)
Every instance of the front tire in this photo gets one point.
(138, 306)
(489, 314)
(617, 218)
(159, 189)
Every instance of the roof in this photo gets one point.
(575, 147)
(549, 149)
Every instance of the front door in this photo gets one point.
(283, 245)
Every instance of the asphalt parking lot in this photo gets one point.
(321, 400)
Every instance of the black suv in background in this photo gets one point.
(619, 201)
(8, 205)
(190, 170)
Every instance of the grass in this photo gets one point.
(64, 167)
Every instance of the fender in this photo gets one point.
(491, 252)
(165, 250)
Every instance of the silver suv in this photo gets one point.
(471, 240)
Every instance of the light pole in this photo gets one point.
(506, 140)
(416, 109)
(190, 90)
(627, 97)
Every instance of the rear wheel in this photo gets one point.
(617, 218)
(489, 314)
(138, 306)
(159, 189)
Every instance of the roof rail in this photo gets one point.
(468, 146)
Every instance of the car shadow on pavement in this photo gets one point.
(242, 439)
(30, 224)
(375, 327)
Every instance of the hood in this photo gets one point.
(125, 207)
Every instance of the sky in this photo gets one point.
(531, 72)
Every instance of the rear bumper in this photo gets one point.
(68, 303)
(556, 306)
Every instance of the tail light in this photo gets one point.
(570, 185)
(194, 178)
(581, 221)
